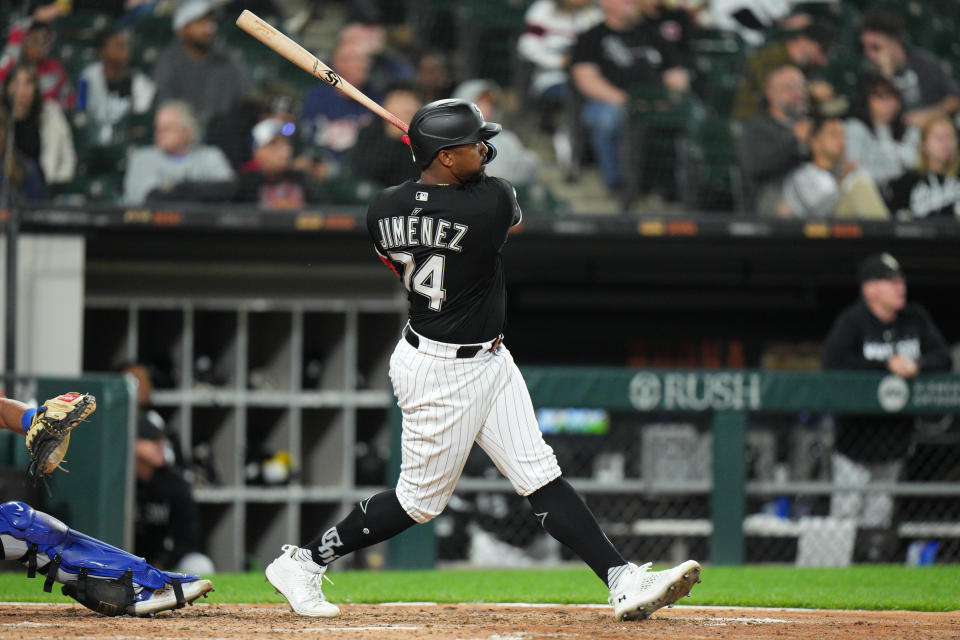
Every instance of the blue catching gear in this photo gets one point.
(48, 546)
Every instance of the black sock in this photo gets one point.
(373, 520)
(566, 517)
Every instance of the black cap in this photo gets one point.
(881, 266)
(147, 430)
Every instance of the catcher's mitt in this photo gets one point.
(49, 434)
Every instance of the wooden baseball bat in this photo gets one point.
(268, 35)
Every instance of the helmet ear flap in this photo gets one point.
(491, 152)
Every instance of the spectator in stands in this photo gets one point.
(754, 19)
(191, 69)
(878, 139)
(41, 131)
(514, 161)
(433, 76)
(932, 190)
(230, 131)
(607, 62)
(268, 178)
(880, 332)
(29, 42)
(775, 142)
(109, 90)
(552, 27)
(26, 182)
(829, 185)
(380, 155)
(174, 168)
(805, 49)
(331, 121)
(385, 67)
(926, 89)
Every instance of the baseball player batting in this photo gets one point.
(455, 380)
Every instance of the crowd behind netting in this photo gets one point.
(809, 110)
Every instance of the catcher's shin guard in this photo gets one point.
(97, 575)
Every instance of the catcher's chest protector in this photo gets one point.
(96, 574)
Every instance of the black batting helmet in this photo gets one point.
(448, 123)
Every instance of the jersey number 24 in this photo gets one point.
(427, 280)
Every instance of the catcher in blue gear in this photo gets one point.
(99, 576)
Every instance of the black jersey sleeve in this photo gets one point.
(899, 190)
(843, 347)
(508, 213)
(374, 213)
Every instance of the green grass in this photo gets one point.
(935, 588)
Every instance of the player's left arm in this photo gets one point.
(507, 213)
(11, 415)
(373, 232)
(510, 204)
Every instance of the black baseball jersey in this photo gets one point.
(444, 243)
(859, 340)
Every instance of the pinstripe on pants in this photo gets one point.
(449, 403)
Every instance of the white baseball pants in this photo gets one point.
(448, 403)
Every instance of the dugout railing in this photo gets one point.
(728, 400)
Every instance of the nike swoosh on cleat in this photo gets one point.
(542, 516)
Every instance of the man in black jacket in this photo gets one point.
(776, 142)
(882, 332)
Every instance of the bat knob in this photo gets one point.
(406, 139)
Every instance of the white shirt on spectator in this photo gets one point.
(549, 37)
(58, 159)
(811, 192)
(878, 153)
(107, 107)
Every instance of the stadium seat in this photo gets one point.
(106, 189)
(80, 26)
(105, 160)
(150, 35)
(708, 172)
(74, 56)
(136, 128)
(576, 133)
(488, 33)
(656, 119)
(153, 30)
(539, 200)
(717, 60)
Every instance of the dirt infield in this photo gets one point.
(468, 622)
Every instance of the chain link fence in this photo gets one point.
(820, 490)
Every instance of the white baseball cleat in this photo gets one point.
(151, 601)
(301, 584)
(640, 592)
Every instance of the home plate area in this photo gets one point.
(425, 621)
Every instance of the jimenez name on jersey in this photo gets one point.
(414, 231)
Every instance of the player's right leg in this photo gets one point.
(441, 417)
(99, 576)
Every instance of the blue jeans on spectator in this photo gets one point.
(607, 124)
